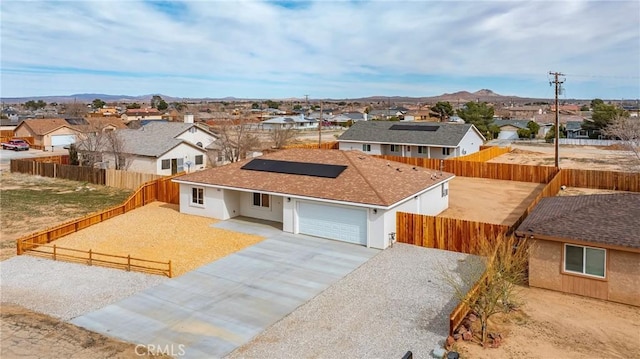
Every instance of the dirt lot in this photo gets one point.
(580, 157)
(26, 334)
(557, 325)
(32, 203)
(489, 201)
(158, 231)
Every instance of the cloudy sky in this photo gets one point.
(326, 49)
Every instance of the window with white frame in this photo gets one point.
(166, 164)
(180, 163)
(261, 200)
(366, 148)
(199, 159)
(422, 149)
(197, 196)
(446, 151)
(585, 260)
(395, 148)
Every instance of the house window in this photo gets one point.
(422, 149)
(445, 151)
(197, 196)
(585, 260)
(366, 148)
(199, 144)
(395, 148)
(180, 163)
(199, 159)
(261, 200)
(166, 164)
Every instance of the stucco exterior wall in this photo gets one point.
(624, 277)
(197, 136)
(272, 213)
(470, 143)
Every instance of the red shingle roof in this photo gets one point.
(366, 180)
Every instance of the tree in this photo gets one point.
(596, 102)
(584, 108)
(626, 129)
(297, 107)
(133, 106)
(179, 106)
(529, 132)
(479, 114)
(116, 147)
(75, 109)
(98, 103)
(235, 141)
(281, 136)
(551, 135)
(533, 127)
(442, 110)
(155, 100)
(35, 105)
(162, 105)
(602, 115)
(73, 155)
(272, 104)
(255, 106)
(501, 267)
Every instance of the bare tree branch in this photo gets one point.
(626, 129)
(282, 135)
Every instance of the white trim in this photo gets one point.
(191, 198)
(584, 261)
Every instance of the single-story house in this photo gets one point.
(346, 119)
(587, 245)
(340, 195)
(138, 114)
(189, 131)
(295, 122)
(412, 139)
(60, 132)
(509, 128)
(575, 130)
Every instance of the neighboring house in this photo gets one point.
(295, 122)
(148, 150)
(412, 139)
(419, 115)
(60, 132)
(141, 114)
(346, 119)
(574, 130)
(509, 128)
(189, 131)
(340, 195)
(587, 245)
(9, 124)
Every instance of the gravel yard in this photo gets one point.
(158, 231)
(395, 302)
(66, 290)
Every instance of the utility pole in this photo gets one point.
(306, 101)
(320, 127)
(558, 83)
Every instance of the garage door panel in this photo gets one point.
(334, 222)
(62, 140)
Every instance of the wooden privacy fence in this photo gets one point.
(619, 181)
(450, 234)
(103, 259)
(55, 170)
(500, 171)
(325, 146)
(462, 309)
(61, 160)
(485, 154)
(127, 179)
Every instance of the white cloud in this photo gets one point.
(360, 46)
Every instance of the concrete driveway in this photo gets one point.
(209, 312)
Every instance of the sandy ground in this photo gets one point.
(26, 334)
(557, 325)
(158, 231)
(488, 200)
(580, 157)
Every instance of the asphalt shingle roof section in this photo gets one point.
(145, 142)
(612, 219)
(448, 134)
(366, 180)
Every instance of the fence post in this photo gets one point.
(54, 252)
(90, 257)
(19, 246)
(128, 262)
(170, 272)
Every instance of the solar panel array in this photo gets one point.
(414, 128)
(295, 168)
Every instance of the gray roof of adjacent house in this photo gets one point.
(172, 129)
(515, 123)
(143, 142)
(445, 134)
(606, 219)
(292, 119)
(574, 125)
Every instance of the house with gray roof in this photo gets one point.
(509, 128)
(412, 139)
(296, 122)
(162, 148)
(587, 245)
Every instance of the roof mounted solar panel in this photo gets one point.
(414, 128)
(295, 168)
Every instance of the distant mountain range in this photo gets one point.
(483, 95)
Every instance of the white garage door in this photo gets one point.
(62, 140)
(508, 135)
(334, 222)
